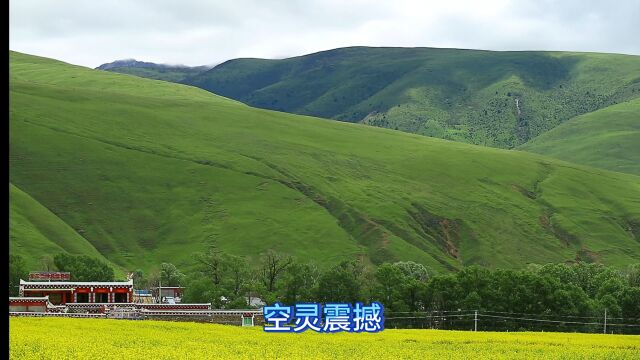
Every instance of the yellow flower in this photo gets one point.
(66, 338)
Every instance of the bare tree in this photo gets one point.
(273, 265)
(212, 262)
(236, 271)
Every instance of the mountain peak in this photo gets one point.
(126, 63)
(133, 63)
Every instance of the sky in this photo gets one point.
(197, 32)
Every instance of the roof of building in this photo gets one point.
(68, 284)
(29, 298)
(169, 287)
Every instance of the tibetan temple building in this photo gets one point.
(54, 294)
(65, 292)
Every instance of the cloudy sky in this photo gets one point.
(196, 32)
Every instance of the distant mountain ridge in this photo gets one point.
(498, 99)
(145, 64)
(174, 73)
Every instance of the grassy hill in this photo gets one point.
(149, 171)
(34, 230)
(608, 138)
(499, 99)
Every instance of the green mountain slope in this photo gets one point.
(34, 230)
(499, 99)
(151, 171)
(608, 138)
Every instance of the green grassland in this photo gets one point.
(31, 338)
(499, 99)
(44, 231)
(608, 138)
(148, 171)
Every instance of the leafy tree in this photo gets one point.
(389, 288)
(17, 271)
(610, 303)
(612, 285)
(569, 299)
(139, 280)
(564, 273)
(472, 301)
(589, 276)
(170, 275)
(400, 285)
(83, 267)
(442, 293)
(633, 275)
(413, 293)
(201, 291)
(475, 278)
(299, 281)
(413, 270)
(239, 302)
(341, 283)
(629, 301)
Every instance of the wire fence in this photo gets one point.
(473, 320)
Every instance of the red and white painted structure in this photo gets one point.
(29, 304)
(53, 295)
(65, 292)
(49, 276)
(41, 306)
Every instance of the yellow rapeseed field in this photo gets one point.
(64, 338)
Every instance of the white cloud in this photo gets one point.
(206, 32)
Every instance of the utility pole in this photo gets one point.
(605, 320)
(475, 321)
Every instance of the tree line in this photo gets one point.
(579, 290)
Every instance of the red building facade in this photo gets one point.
(65, 292)
(28, 304)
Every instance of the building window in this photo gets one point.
(55, 298)
(82, 297)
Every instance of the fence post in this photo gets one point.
(605, 320)
(475, 321)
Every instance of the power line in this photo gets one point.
(554, 315)
(512, 313)
(427, 317)
(456, 316)
(429, 312)
(539, 320)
